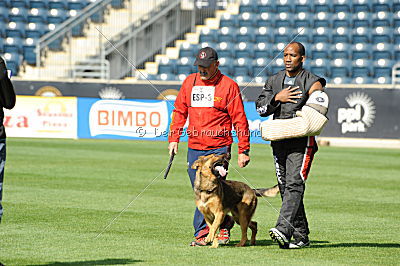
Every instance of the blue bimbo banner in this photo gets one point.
(139, 119)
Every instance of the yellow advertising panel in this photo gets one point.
(42, 117)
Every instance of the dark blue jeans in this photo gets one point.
(198, 221)
(2, 163)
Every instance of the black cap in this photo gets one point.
(205, 57)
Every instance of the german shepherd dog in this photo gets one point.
(216, 197)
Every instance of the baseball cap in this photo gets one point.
(205, 57)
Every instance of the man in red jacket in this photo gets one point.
(213, 104)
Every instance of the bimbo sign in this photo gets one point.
(128, 118)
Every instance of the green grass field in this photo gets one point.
(59, 194)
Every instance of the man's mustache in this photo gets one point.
(203, 73)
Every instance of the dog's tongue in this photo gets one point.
(221, 170)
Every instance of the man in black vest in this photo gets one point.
(283, 94)
(7, 100)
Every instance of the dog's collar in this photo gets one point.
(208, 191)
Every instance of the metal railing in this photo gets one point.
(140, 28)
(61, 30)
(168, 22)
(72, 48)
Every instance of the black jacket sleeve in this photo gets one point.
(266, 104)
(311, 79)
(7, 94)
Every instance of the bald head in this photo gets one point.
(294, 56)
(300, 48)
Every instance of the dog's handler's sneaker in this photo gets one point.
(224, 236)
(279, 237)
(199, 242)
(299, 244)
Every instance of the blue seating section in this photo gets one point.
(23, 22)
(346, 40)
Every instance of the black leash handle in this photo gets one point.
(171, 158)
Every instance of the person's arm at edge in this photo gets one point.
(7, 93)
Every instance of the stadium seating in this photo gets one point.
(184, 65)
(362, 19)
(37, 15)
(39, 4)
(265, 19)
(208, 35)
(342, 6)
(306, 6)
(382, 68)
(362, 68)
(247, 20)
(320, 50)
(346, 41)
(244, 50)
(245, 34)
(242, 67)
(264, 34)
(340, 50)
(18, 14)
(261, 50)
(226, 49)
(226, 65)
(383, 51)
(14, 61)
(397, 52)
(259, 66)
(167, 66)
(25, 21)
(344, 31)
(228, 20)
(29, 51)
(362, 6)
(320, 67)
(341, 67)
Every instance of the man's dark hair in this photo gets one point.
(302, 50)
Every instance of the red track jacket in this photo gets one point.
(213, 106)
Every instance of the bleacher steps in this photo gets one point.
(191, 37)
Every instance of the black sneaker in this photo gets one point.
(279, 237)
(299, 244)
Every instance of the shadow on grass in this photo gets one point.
(265, 242)
(355, 245)
(92, 262)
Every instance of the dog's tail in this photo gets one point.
(267, 192)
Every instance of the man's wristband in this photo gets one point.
(246, 152)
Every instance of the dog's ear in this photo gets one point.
(198, 162)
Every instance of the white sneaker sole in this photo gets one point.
(277, 236)
(296, 246)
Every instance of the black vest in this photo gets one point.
(304, 80)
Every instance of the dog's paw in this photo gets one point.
(214, 245)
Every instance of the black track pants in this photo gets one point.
(293, 158)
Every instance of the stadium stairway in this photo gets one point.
(56, 63)
(151, 69)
